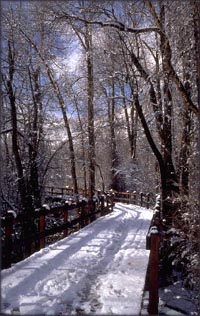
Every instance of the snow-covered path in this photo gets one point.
(98, 270)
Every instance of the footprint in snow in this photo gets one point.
(117, 292)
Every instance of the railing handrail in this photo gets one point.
(85, 211)
(128, 196)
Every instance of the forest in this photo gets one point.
(104, 95)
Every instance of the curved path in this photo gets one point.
(98, 270)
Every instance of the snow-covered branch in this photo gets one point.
(114, 24)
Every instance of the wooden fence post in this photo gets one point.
(102, 204)
(112, 201)
(129, 197)
(65, 220)
(154, 273)
(86, 213)
(107, 202)
(134, 197)
(8, 239)
(92, 208)
(42, 228)
(148, 199)
(141, 198)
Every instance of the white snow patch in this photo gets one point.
(177, 300)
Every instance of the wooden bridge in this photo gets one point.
(63, 214)
(53, 222)
(134, 197)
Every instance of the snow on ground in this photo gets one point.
(175, 299)
(99, 270)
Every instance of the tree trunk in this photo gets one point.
(90, 92)
(197, 55)
(166, 132)
(184, 154)
(131, 125)
(168, 176)
(82, 145)
(67, 126)
(153, 147)
(15, 146)
(35, 131)
(166, 139)
(183, 167)
(25, 196)
(168, 65)
(62, 107)
(114, 158)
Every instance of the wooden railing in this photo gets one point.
(59, 190)
(63, 214)
(47, 222)
(153, 241)
(139, 198)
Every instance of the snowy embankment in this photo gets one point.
(99, 270)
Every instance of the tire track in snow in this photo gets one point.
(117, 265)
(38, 270)
(89, 297)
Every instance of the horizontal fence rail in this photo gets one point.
(139, 198)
